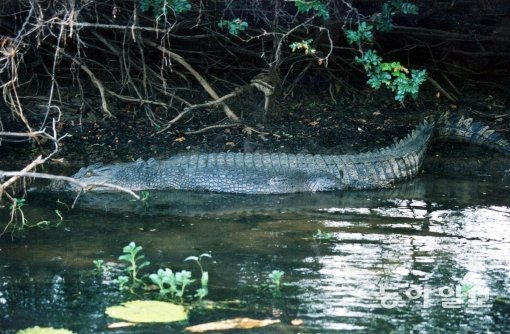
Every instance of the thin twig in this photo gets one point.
(220, 100)
(442, 90)
(217, 126)
(230, 114)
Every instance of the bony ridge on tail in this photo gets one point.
(277, 173)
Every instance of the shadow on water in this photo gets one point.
(430, 255)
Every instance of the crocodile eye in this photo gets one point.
(89, 174)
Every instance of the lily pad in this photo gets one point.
(44, 330)
(145, 311)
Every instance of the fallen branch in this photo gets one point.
(22, 134)
(220, 100)
(442, 90)
(217, 126)
(14, 177)
(84, 187)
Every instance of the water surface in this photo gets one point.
(428, 256)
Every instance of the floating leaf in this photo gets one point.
(44, 330)
(148, 311)
(236, 323)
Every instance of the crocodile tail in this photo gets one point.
(455, 127)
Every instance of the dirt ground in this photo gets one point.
(310, 121)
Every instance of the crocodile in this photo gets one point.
(277, 173)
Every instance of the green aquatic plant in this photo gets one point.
(99, 263)
(171, 284)
(49, 223)
(465, 291)
(165, 280)
(276, 278)
(60, 216)
(144, 195)
(16, 208)
(18, 222)
(204, 277)
(321, 235)
(121, 281)
(135, 261)
(204, 286)
(182, 280)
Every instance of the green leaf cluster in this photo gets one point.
(135, 262)
(362, 34)
(204, 280)
(392, 75)
(389, 74)
(171, 284)
(384, 21)
(276, 278)
(305, 6)
(234, 26)
(162, 7)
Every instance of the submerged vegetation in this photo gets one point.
(18, 222)
(135, 262)
(171, 285)
(268, 269)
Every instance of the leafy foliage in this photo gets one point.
(234, 26)
(305, 6)
(362, 34)
(135, 261)
(165, 280)
(204, 279)
(384, 21)
(170, 284)
(276, 277)
(303, 45)
(392, 75)
(162, 7)
(99, 263)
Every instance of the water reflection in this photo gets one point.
(412, 259)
